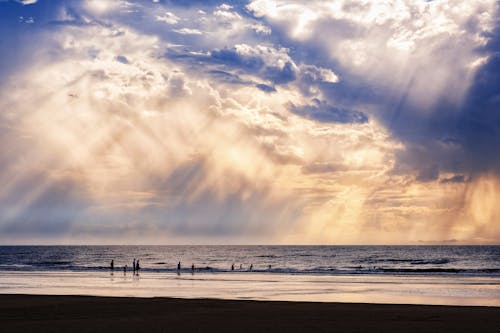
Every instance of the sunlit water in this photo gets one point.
(373, 274)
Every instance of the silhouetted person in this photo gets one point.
(112, 265)
(179, 268)
(232, 267)
(124, 269)
(192, 268)
(251, 266)
(137, 267)
(133, 266)
(241, 266)
(269, 267)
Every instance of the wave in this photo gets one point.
(347, 270)
(440, 261)
(431, 262)
(51, 263)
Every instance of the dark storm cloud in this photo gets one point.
(231, 78)
(440, 133)
(326, 113)
(479, 122)
(459, 139)
(454, 179)
(227, 77)
(265, 88)
(231, 60)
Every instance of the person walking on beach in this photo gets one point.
(112, 265)
(125, 270)
(179, 268)
(232, 267)
(137, 267)
(251, 266)
(192, 268)
(133, 266)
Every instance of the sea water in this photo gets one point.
(458, 275)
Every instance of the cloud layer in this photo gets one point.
(258, 122)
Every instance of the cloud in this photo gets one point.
(265, 87)
(187, 31)
(324, 112)
(323, 168)
(454, 179)
(259, 128)
(268, 63)
(153, 139)
(263, 66)
(317, 74)
(420, 68)
(168, 18)
(27, 2)
(428, 174)
(101, 7)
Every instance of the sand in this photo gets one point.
(39, 313)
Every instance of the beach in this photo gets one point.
(43, 313)
(461, 275)
(423, 289)
(386, 289)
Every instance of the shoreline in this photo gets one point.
(266, 287)
(26, 313)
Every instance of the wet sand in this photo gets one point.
(39, 313)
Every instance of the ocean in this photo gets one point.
(459, 275)
(332, 260)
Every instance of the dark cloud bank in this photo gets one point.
(463, 139)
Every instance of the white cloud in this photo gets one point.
(406, 46)
(261, 28)
(27, 2)
(99, 7)
(227, 15)
(188, 31)
(272, 57)
(225, 6)
(151, 137)
(27, 20)
(157, 144)
(319, 74)
(168, 18)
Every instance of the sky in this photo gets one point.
(249, 122)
